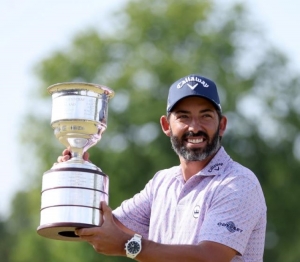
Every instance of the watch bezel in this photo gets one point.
(133, 246)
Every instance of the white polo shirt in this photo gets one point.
(223, 203)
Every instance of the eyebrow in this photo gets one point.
(181, 111)
(206, 110)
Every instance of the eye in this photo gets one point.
(182, 116)
(207, 116)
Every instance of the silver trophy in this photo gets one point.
(72, 190)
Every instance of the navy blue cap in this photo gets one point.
(193, 85)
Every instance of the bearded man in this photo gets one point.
(208, 208)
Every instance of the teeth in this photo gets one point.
(195, 141)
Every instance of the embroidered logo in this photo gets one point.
(192, 79)
(215, 167)
(192, 87)
(230, 226)
(196, 212)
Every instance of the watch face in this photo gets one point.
(133, 247)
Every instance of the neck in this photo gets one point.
(191, 168)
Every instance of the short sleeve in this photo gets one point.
(236, 214)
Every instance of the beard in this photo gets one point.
(196, 154)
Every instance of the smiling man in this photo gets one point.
(208, 208)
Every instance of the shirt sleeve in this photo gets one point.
(135, 213)
(235, 215)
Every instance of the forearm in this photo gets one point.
(157, 252)
(152, 251)
(204, 252)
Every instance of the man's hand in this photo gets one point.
(107, 239)
(66, 155)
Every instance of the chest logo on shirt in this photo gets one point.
(215, 167)
(230, 226)
(196, 212)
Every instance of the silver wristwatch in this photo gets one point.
(133, 246)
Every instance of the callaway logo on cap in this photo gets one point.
(193, 85)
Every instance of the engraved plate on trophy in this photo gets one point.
(72, 190)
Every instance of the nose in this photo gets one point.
(195, 125)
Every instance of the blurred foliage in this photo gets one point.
(150, 45)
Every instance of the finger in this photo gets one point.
(85, 232)
(63, 158)
(66, 152)
(86, 156)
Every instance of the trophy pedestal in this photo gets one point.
(71, 196)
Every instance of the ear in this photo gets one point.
(223, 124)
(165, 126)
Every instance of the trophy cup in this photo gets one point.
(72, 190)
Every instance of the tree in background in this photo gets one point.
(151, 44)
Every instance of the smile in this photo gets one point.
(195, 140)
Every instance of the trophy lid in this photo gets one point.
(99, 89)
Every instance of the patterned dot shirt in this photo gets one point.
(222, 203)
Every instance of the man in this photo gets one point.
(209, 208)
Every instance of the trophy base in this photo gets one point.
(70, 198)
(62, 231)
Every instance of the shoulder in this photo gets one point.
(240, 183)
(232, 178)
(239, 175)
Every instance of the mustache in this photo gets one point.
(192, 134)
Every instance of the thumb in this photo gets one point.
(106, 210)
(86, 156)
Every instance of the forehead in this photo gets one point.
(194, 102)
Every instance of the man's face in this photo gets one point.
(195, 129)
(195, 154)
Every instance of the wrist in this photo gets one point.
(133, 246)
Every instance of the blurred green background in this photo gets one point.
(152, 44)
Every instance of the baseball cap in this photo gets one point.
(193, 85)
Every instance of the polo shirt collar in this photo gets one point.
(214, 168)
(217, 165)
